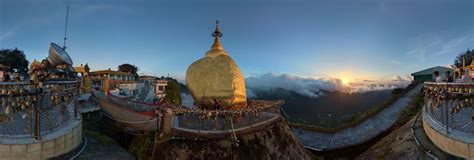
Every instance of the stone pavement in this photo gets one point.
(361, 133)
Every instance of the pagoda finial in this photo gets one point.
(217, 33)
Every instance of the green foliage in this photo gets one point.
(173, 93)
(128, 68)
(15, 59)
(415, 106)
(142, 146)
(468, 55)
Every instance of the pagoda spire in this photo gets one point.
(217, 33)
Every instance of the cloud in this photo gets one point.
(304, 86)
(395, 62)
(435, 44)
(6, 34)
(424, 44)
(313, 87)
(454, 44)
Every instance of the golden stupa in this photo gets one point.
(216, 78)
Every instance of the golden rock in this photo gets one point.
(216, 78)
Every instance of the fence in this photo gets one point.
(30, 111)
(451, 105)
(134, 105)
(215, 121)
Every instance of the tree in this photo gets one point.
(15, 59)
(468, 55)
(173, 93)
(128, 68)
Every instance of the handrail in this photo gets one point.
(143, 103)
(445, 100)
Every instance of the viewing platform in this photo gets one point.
(39, 122)
(186, 122)
(448, 117)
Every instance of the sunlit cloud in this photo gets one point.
(314, 87)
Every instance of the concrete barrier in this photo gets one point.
(52, 144)
(452, 142)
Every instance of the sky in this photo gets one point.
(349, 40)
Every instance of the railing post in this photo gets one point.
(446, 115)
(167, 120)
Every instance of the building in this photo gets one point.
(428, 74)
(160, 88)
(146, 78)
(112, 75)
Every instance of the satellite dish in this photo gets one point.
(58, 56)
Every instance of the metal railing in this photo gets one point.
(227, 120)
(133, 105)
(29, 110)
(451, 105)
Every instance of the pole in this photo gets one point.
(65, 28)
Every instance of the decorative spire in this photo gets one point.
(217, 33)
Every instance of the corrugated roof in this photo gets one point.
(431, 70)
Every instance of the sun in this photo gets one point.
(345, 77)
(345, 80)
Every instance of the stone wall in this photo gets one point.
(52, 144)
(452, 143)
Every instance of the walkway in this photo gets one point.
(360, 133)
(424, 142)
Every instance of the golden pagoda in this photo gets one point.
(216, 78)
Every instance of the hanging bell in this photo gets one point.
(24, 115)
(23, 106)
(8, 110)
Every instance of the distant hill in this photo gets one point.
(330, 109)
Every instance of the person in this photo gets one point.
(437, 77)
(7, 77)
(465, 76)
(448, 78)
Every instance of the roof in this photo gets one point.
(101, 72)
(431, 70)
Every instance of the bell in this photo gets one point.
(24, 115)
(8, 110)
